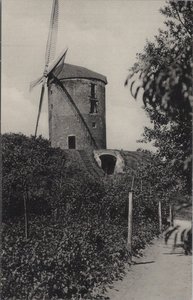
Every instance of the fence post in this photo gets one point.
(171, 215)
(130, 215)
(160, 216)
(130, 207)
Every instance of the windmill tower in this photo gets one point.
(76, 99)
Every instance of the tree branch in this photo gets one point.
(179, 18)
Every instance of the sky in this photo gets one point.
(101, 35)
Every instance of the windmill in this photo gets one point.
(51, 73)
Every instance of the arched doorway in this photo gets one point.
(108, 163)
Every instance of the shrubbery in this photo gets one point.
(62, 261)
(77, 225)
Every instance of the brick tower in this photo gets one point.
(76, 105)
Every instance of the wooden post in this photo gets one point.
(171, 215)
(25, 215)
(141, 185)
(132, 183)
(160, 216)
(130, 209)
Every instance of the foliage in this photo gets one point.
(77, 240)
(58, 260)
(32, 167)
(165, 66)
(26, 169)
(165, 78)
(62, 261)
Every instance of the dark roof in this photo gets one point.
(71, 71)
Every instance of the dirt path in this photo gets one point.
(158, 275)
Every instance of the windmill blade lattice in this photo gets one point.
(50, 53)
(52, 36)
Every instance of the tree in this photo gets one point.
(173, 142)
(165, 66)
(163, 72)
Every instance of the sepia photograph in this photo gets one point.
(96, 142)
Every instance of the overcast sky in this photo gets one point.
(102, 35)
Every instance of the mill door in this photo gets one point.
(72, 142)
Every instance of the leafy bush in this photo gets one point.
(60, 260)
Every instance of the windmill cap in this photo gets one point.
(69, 71)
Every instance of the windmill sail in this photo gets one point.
(57, 63)
(35, 82)
(52, 36)
(40, 107)
(50, 52)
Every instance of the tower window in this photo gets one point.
(93, 106)
(72, 142)
(93, 100)
(93, 90)
(93, 125)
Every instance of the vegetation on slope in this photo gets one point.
(77, 225)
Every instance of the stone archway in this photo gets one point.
(108, 163)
